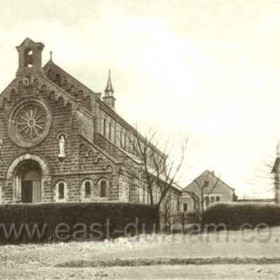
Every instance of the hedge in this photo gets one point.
(237, 215)
(24, 223)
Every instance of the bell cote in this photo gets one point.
(30, 58)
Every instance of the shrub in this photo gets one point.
(235, 215)
(23, 223)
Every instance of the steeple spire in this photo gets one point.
(109, 88)
(109, 98)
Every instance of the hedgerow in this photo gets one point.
(24, 223)
(236, 215)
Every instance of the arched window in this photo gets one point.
(87, 189)
(134, 193)
(61, 191)
(110, 131)
(104, 184)
(104, 127)
(124, 140)
(28, 58)
(120, 140)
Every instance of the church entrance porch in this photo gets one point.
(29, 178)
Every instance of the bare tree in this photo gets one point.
(159, 172)
(205, 185)
(271, 175)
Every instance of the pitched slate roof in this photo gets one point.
(207, 172)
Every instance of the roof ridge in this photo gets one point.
(213, 174)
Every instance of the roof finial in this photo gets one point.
(51, 53)
(109, 88)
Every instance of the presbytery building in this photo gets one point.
(62, 142)
(205, 190)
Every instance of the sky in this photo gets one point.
(208, 71)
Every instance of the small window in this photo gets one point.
(110, 131)
(212, 199)
(104, 127)
(125, 140)
(185, 207)
(87, 189)
(103, 186)
(206, 184)
(207, 201)
(120, 138)
(61, 191)
(217, 198)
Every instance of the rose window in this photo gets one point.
(29, 123)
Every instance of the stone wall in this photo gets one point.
(82, 159)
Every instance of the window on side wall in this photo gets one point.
(86, 189)
(110, 131)
(61, 188)
(206, 201)
(104, 188)
(104, 127)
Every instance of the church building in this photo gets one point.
(62, 142)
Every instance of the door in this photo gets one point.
(27, 191)
(36, 191)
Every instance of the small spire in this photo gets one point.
(51, 53)
(109, 87)
(278, 149)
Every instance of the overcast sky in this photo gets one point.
(209, 70)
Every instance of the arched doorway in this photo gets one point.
(29, 176)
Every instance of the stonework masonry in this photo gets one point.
(41, 105)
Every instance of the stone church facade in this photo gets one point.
(60, 141)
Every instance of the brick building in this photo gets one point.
(60, 141)
(208, 189)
